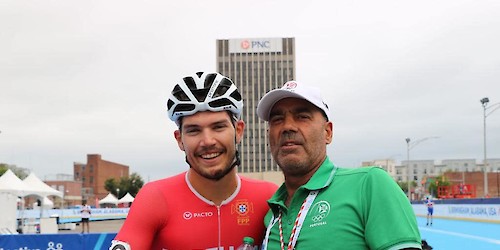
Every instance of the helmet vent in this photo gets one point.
(209, 80)
(170, 103)
(179, 94)
(236, 95)
(200, 94)
(190, 83)
(221, 103)
(184, 107)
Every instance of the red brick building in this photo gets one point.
(72, 192)
(476, 179)
(94, 173)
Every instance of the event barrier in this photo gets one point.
(483, 210)
(92, 241)
(73, 215)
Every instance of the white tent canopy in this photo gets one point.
(10, 183)
(126, 199)
(109, 199)
(46, 203)
(8, 218)
(43, 189)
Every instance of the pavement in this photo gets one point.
(102, 226)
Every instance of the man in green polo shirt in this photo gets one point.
(321, 206)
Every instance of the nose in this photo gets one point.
(207, 139)
(289, 123)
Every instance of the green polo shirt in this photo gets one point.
(358, 208)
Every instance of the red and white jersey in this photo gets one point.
(170, 214)
(429, 203)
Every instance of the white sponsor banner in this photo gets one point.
(480, 212)
(71, 215)
(255, 45)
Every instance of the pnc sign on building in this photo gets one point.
(255, 45)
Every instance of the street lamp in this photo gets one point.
(498, 191)
(118, 193)
(408, 165)
(495, 106)
(409, 146)
(65, 197)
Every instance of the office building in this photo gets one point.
(256, 65)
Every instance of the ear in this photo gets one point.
(178, 138)
(329, 132)
(240, 128)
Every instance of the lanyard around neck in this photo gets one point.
(299, 221)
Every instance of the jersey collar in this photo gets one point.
(321, 179)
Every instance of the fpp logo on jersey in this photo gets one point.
(242, 208)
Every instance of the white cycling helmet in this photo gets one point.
(204, 92)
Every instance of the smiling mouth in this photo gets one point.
(210, 155)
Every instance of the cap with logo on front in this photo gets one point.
(291, 89)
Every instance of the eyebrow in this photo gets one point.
(293, 111)
(218, 122)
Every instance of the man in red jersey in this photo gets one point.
(209, 206)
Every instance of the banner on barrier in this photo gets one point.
(480, 212)
(56, 241)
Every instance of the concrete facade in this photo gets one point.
(256, 65)
(465, 171)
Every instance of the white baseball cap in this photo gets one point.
(291, 89)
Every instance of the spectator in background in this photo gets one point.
(430, 209)
(85, 213)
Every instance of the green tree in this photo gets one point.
(130, 184)
(19, 172)
(404, 185)
(435, 182)
(111, 185)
